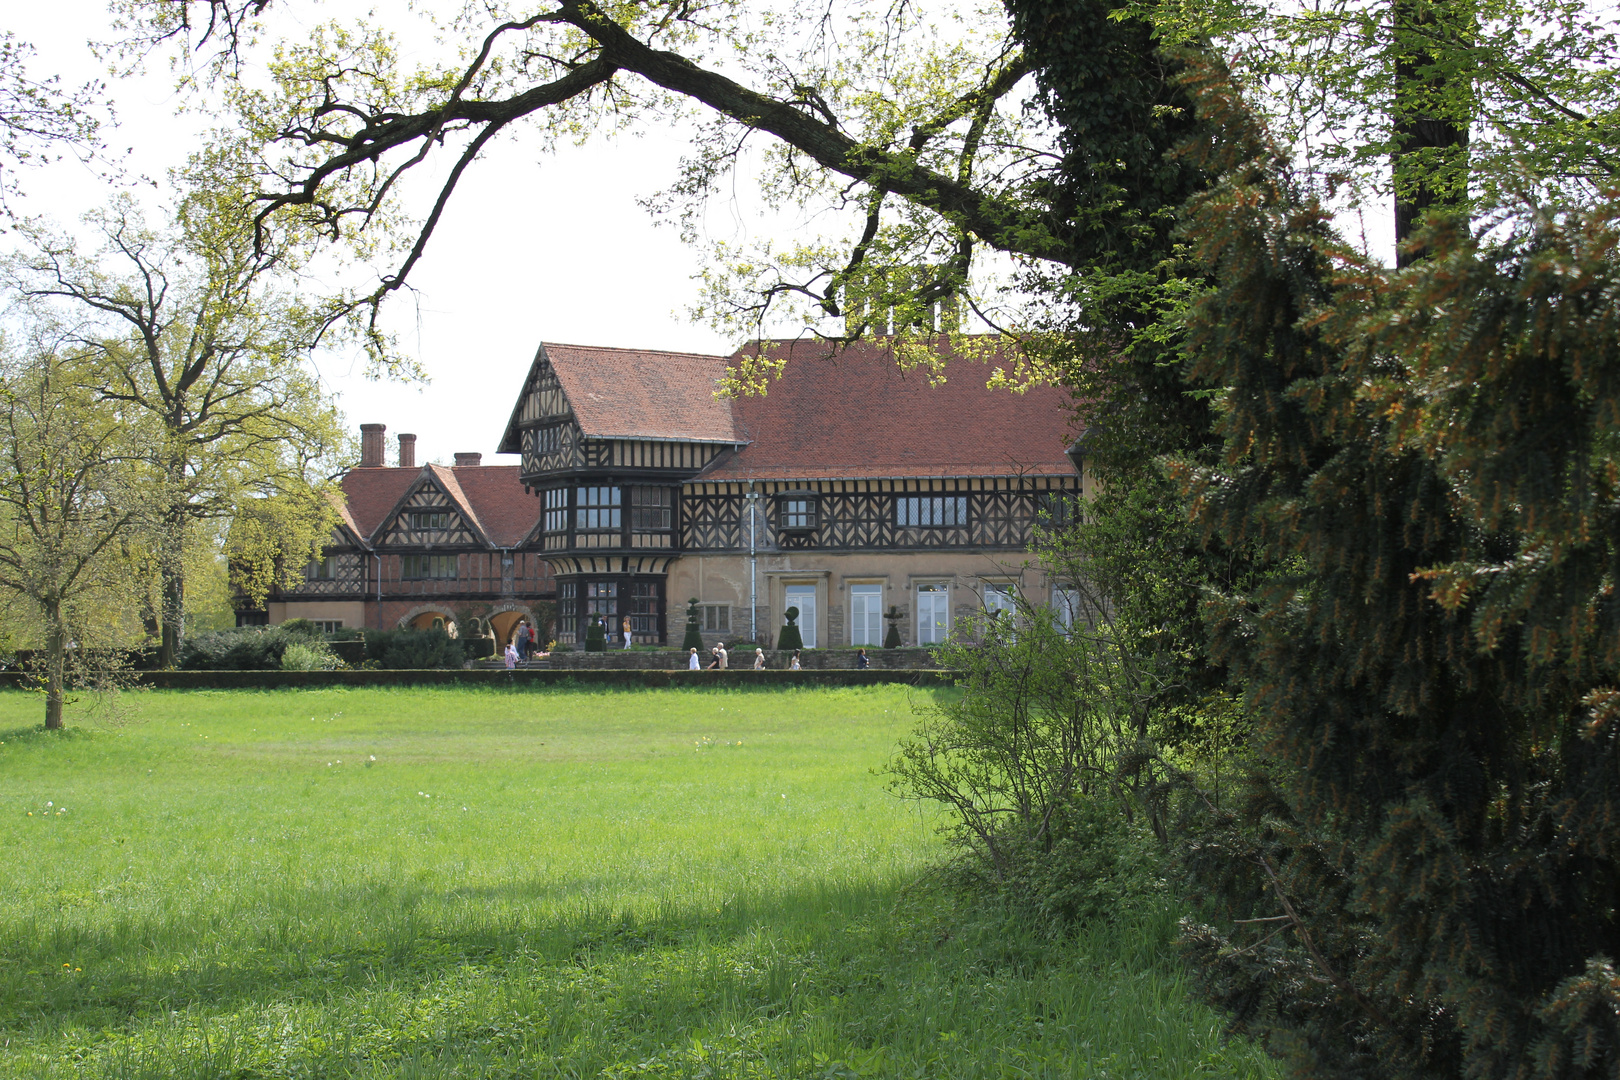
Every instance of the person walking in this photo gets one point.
(714, 658)
(523, 639)
(759, 659)
(725, 657)
(794, 665)
(862, 661)
(625, 627)
(692, 661)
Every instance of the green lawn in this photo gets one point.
(469, 883)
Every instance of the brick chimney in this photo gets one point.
(465, 460)
(407, 451)
(371, 445)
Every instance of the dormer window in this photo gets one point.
(796, 511)
(324, 569)
(429, 520)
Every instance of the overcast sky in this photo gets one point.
(531, 249)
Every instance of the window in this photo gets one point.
(548, 440)
(930, 511)
(649, 509)
(568, 610)
(556, 510)
(866, 614)
(1060, 508)
(426, 567)
(999, 602)
(596, 509)
(1065, 606)
(322, 569)
(327, 626)
(602, 598)
(933, 613)
(430, 519)
(796, 512)
(716, 618)
(645, 606)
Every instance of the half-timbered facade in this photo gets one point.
(849, 490)
(419, 544)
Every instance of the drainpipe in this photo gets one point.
(753, 563)
(378, 556)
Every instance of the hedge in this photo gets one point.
(537, 677)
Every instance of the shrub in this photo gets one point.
(413, 649)
(245, 648)
(891, 640)
(595, 637)
(790, 638)
(1045, 762)
(309, 656)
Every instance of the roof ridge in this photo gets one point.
(635, 349)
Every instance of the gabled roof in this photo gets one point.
(491, 498)
(635, 394)
(856, 415)
(507, 513)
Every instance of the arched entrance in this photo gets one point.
(504, 624)
(424, 621)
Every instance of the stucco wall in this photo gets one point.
(724, 579)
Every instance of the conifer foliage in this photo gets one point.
(1424, 880)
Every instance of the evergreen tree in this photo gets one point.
(1423, 881)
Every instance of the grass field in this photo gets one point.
(468, 883)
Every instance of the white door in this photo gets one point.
(933, 614)
(803, 597)
(866, 614)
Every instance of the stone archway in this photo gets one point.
(421, 618)
(503, 621)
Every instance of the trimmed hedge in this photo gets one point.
(289, 680)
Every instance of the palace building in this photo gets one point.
(418, 543)
(849, 490)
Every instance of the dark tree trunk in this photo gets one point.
(1421, 85)
(55, 664)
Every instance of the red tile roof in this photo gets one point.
(507, 513)
(493, 494)
(857, 415)
(643, 393)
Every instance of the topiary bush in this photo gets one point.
(595, 637)
(790, 638)
(891, 640)
(694, 629)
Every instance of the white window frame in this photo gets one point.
(808, 631)
(873, 627)
(1065, 606)
(930, 631)
(1006, 599)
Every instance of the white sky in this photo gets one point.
(532, 248)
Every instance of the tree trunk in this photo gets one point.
(1422, 122)
(172, 571)
(55, 664)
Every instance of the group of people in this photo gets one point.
(524, 644)
(720, 660)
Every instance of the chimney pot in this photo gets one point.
(371, 445)
(407, 451)
(465, 460)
